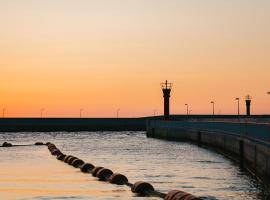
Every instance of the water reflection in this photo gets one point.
(32, 173)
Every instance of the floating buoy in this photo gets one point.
(95, 170)
(118, 179)
(77, 163)
(67, 157)
(180, 195)
(103, 174)
(60, 156)
(70, 160)
(67, 160)
(51, 145)
(56, 152)
(6, 144)
(52, 148)
(87, 167)
(142, 187)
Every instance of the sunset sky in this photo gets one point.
(63, 55)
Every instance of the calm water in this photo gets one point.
(32, 173)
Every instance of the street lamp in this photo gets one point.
(212, 102)
(117, 112)
(187, 107)
(41, 112)
(154, 112)
(238, 110)
(81, 110)
(3, 112)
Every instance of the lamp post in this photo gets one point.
(41, 112)
(213, 103)
(154, 112)
(238, 109)
(187, 107)
(81, 110)
(3, 112)
(117, 113)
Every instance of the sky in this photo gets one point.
(104, 55)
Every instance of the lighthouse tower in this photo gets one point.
(248, 102)
(166, 89)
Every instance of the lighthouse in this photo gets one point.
(166, 89)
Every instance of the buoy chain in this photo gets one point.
(104, 174)
(8, 144)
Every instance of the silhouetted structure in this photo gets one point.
(166, 89)
(248, 102)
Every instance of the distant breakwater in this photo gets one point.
(107, 124)
(71, 124)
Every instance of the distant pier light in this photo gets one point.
(117, 113)
(3, 112)
(81, 111)
(213, 108)
(238, 109)
(187, 108)
(154, 112)
(41, 112)
(248, 103)
(166, 89)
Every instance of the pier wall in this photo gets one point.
(71, 124)
(248, 143)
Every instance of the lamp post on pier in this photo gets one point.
(81, 110)
(187, 108)
(3, 112)
(117, 113)
(213, 103)
(238, 109)
(154, 112)
(41, 112)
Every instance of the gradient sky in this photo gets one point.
(100, 55)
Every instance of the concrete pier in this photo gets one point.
(71, 124)
(248, 143)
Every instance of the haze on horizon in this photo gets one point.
(103, 55)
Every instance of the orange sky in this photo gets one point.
(102, 55)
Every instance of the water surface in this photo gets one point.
(32, 173)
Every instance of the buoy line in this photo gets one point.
(104, 174)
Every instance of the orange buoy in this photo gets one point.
(87, 167)
(61, 157)
(70, 160)
(103, 174)
(95, 170)
(180, 195)
(77, 163)
(142, 187)
(118, 179)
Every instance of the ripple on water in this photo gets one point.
(32, 173)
